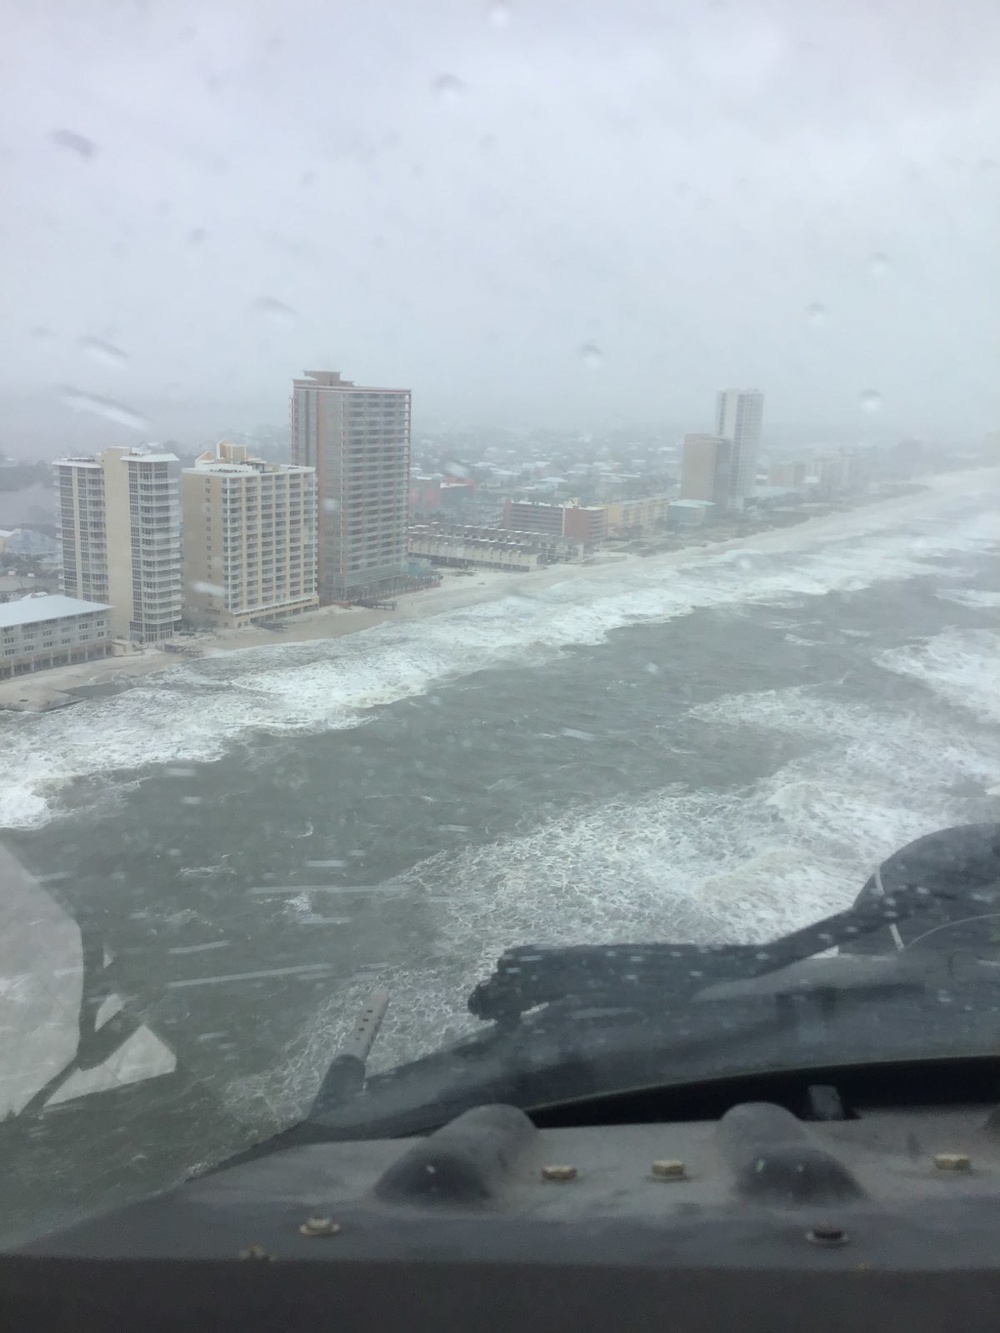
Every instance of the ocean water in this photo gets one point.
(721, 750)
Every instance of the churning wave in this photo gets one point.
(196, 712)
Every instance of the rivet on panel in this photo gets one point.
(827, 1234)
(254, 1252)
(559, 1173)
(669, 1168)
(319, 1226)
(952, 1161)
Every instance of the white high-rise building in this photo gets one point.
(358, 440)
(738, 417)
(82, 528)
(120, 537)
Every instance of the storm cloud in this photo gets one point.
(541, 211)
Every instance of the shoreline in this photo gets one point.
(68, 685)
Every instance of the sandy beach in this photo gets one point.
(458, 591)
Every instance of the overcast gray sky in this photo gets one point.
(461, 196)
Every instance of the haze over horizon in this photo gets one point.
(527, 213)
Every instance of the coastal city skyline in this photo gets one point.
(149, 546)
(135, 529)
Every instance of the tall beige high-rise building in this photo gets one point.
(706, 470)
(120, 537)
(358, 440)
(249, 538)
(738, 417)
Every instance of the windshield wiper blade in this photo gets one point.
(656, 977)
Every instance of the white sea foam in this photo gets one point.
(971, 597)
(960, 666)
(199, 710)
(699, 866)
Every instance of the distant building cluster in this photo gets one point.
(147, 547)
(845, 470)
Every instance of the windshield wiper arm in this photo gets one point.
(655, 977)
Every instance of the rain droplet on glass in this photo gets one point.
(276, 310)
(103, 407)
(871, 401)
(591, 356)
(817, 314)
(330, 505)
(76, 143)
(106, 353)
(499, 13)
(878, 264)
(198, 235)
(448, 89)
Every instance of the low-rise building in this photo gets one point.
(579, 523)
(551, 550)
(502, 551)
(788, 473)
(49, 630)
(633, 518)
(688, 513)
(31, 542)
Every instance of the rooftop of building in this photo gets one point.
(550, 504)
(44, 606)
(257, 467)
(332, 379)
(144, 453)
(150, 453)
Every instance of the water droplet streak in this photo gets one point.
(104, 352)
(273, 309)
(871, 401)
(103, 407)
(592, 356)
(448, 89)
(75, 143)
(817, 314)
